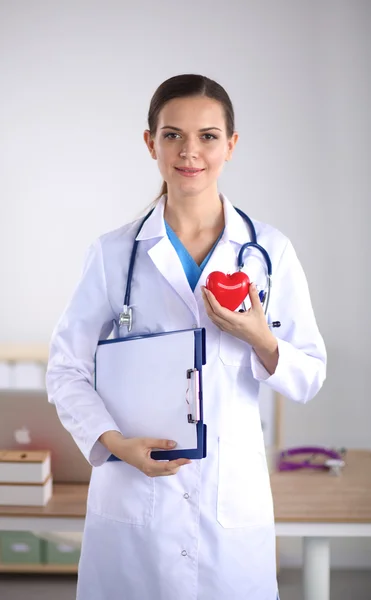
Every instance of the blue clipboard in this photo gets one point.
(199, 359)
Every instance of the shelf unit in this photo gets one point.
(39, 569)
(37, 353)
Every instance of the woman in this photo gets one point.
(200, 530)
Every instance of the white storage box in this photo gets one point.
(24, 467)
(23, 494)
(25, 478)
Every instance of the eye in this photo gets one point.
(209, 137)
(167, 135)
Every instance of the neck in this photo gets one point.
(191, 215)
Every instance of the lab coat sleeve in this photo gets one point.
(301, 368)
(70, 372)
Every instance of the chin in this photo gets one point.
(189, 188)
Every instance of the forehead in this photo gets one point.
(194, 112)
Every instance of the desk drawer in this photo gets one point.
(20, 547)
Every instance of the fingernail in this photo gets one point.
(171, 444)
(253, 286)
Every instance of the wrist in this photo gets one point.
(111, 440)
(266, 343)
(268, 354)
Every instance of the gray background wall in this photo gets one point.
(76, 78)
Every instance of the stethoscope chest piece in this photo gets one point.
(126, 317)
(335, 465)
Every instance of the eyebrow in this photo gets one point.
(201, 130)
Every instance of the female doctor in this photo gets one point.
(200, 530)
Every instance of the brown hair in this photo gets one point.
(183, 86)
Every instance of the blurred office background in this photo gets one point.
(76, 78)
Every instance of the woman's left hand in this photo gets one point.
(250, 326)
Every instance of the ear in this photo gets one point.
(150, 143)
(231, 144)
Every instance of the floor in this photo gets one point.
(345, 585)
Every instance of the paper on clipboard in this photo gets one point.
(143, 383)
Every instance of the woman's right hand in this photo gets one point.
(137, 452)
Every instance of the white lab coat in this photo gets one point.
(206, 533)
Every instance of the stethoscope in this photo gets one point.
(333, 459)
(126, 317)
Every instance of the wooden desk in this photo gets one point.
(316, 506)
(311, 496)
(312, 505)
(64, 512)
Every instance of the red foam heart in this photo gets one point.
(229, 290)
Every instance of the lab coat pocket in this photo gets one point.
(121, 492)
(244, 492)
(233, 351)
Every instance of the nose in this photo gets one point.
(189, 150)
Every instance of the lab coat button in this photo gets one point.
(184, 552)
(186, 496)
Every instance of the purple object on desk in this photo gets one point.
(285, 464)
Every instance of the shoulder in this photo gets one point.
(121, 235)
(271, 238)
(117, 241)
(113, 248)
(280, 249)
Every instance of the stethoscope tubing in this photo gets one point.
(132, 261)
(126, 315)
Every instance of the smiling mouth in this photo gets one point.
(188, 170)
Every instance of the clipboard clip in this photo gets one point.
(193, 377)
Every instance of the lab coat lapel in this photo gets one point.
(165, 257)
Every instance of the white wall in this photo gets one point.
(76, 78)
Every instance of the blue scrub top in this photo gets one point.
(191, 268)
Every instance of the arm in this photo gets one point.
(301, 366)
(69, 378)
(294, 362)
(268, 354)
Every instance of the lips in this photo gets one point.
(188, 170)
